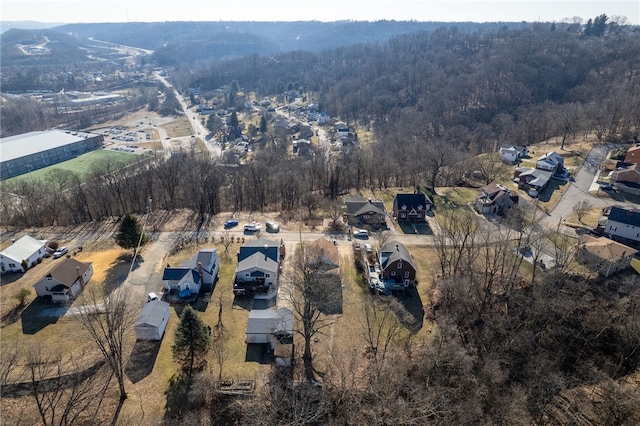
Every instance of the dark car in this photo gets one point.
(607, 187)
(273, 227)
(230, 223)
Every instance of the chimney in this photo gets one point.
(200, 269)
(370, 200)
(80, 276)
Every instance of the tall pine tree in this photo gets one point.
(129, 233)
(192, 341)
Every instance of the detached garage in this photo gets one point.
(152, 321)
(269, 326)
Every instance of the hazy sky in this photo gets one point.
(61, 11)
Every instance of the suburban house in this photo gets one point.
(552, 162)
(200, 273)
(342, 130)
(623, 224)
(513, 153)
(361, 211)
(633, 155)
(629, 173)
(396, 263)
(326, 255)
(65, 281)
(532, 180)
(269, 326)
(26, 249)
(152, 321)
(411, 207)
(494, 198)
(301, 146)
(258, 266)
(604, 255)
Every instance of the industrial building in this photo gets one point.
(31, 151)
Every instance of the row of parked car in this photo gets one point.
(271, 226)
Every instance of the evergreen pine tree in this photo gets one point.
(192, 341)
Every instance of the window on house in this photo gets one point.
(12, 265)
(393, 273)
(400, 264)
(406, 274)
(267, 275)
(365, 216)
(246, 275)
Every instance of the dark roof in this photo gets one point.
(205, 256)
(625, 215)
(360, 205)
(174, 274)
(393, 251)
(412, 201)
(261, 245)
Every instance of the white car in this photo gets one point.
(60, 252)
(252, 227)
(361, 233)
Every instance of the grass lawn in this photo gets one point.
(178, 127)
(81, 165)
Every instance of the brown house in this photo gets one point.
(397, 264)
(630, 173)
(633, 155)
(361, 211)
(411, 207)
(604, 255)
(65, 281)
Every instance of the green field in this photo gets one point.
(81, 165)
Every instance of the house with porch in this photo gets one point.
(411, 208)
(258, 267)
(65, 281)
(25, 252)
(363, 211)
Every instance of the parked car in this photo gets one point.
(273, 227)
(252, 227)
(361, 233)
(152, 296)
(230, 223)
(60, 252)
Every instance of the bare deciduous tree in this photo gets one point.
(108, 320)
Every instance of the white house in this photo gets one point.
(269, 326)
(208, 264)
(551, 161)
(65, 281)
(623, 223)
(512, 153)
(199, 273)
(152, 320)
(185, 281)
(26, 249)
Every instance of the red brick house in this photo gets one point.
(397, 264)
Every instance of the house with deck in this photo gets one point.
(494, 199)
(258, 266)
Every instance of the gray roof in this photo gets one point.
(22, 249)
(260, 261)
(270, 321)
(67, 271)
(625, 215)
(359, 205)
(205, 256)
(33, 142)
(152, 314)
(393, 251)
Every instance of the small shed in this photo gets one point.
(152, 321)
